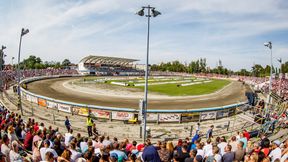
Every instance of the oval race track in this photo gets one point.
(53, 88)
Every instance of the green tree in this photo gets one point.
(66, 62)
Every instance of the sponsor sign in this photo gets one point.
(122, 115)
(190, 117)
(169, 117)
(208, 115)
(28, 97)
(221, 114)
(80, 111)
(51, 104)
(65, 108)
(100, 113)
(42, 102)
(34, 99)
(152, 117)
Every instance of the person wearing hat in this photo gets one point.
(276, 151)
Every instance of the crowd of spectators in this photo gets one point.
(10, 76)
(32, 141)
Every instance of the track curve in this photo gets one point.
(53, 88)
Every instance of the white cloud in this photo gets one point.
(186, 29)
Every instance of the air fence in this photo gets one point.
(124, 114)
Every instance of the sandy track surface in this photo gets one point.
(54, 88)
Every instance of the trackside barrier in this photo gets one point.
(114, 113)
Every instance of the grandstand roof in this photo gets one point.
(106, 60)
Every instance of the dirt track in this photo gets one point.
(53, 88)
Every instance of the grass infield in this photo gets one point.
(173, 89)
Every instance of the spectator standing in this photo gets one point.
(233, 143)
(222, 145)
(184, 154)
(276, 151)
(210, 132)
(164, 153)
(228, 156)
(89, 123)
(150, 154)
(208, 148)
(192, 154)
(67, 124)
(244, 140)
(197, 128)
(239, 153)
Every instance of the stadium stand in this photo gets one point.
(102, 65)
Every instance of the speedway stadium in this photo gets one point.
(108, 89)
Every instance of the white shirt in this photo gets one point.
(218, 158)
(207, 150)
(222, 146)
(67, 138)
(200, 152)
(5, 150)
(43, 151)
(275, 154)
(83, 146)
(74, 155)
(14, 156)
(234, 146)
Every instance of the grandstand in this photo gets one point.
(103, 65)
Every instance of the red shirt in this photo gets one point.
(246, 135)
(36, 128)
(28, 141)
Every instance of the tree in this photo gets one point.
(66, 62)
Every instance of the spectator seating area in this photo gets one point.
(32, 141)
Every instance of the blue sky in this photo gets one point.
(233, 31)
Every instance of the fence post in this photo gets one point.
(228, 125)
(54, 118)
(32, 110)
(191, 130)
(140, 132)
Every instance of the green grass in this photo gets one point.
(172, 89)
(198, 89)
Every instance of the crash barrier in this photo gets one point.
(116, 113)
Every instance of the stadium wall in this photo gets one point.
(115, 113)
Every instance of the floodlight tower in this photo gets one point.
(269, 45)
(23, 32)
(145, 101)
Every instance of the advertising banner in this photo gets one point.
(34, 99)
(28, 97)
(208, 115)
(80, 111)
(221, 114)
(51, 104)
(100, 113)
(65, 108)
(190, 117)
(169, 117)
(42, 102)
(122, 115)
(152, 117)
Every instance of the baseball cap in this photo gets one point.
(277, 142)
